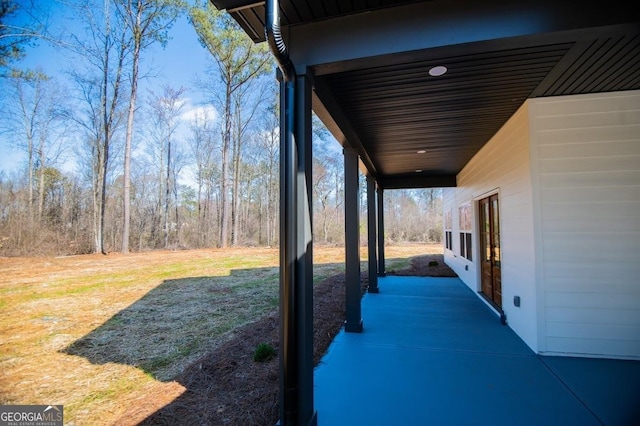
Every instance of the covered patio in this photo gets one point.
(433, 353)
(414, 90)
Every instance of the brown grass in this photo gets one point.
(109, 336)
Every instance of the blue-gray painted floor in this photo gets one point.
(432, 353)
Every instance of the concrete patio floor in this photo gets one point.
(432, 353)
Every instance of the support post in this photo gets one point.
(296, 263)
(372, 224)
(382, 272)
(353, 322)
(304, 272)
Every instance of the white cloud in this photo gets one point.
(200, 113)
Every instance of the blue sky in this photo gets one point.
(176, 64)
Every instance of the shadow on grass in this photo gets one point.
(202, 331)
(180, 320)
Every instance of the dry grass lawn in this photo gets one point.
(95, 333)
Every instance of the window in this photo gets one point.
(448, 234)
(464, 216)
(468, 251)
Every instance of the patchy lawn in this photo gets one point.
(112, 337)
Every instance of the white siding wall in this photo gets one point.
(502, 166)
(586, 166)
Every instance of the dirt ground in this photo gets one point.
(226, 387)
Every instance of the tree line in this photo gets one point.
(108, 168)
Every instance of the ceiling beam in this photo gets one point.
(415, 182)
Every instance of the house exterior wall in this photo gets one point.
(567, 171)
(586, 179)
(502, 166)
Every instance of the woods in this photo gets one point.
(106, 166)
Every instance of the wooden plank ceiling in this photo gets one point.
(414, 129)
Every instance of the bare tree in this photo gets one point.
(147, 22)
(238, 61)
(203, 144)
(29, 94)
(46, 209)
(166, 111)
(246, 103)
(30, 117)
(268, 144)
(328, 187)
(104, 50)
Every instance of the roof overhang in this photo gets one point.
(370, 60)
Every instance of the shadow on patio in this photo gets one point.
(433, 354)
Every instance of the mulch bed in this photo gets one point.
(226, 387)
(431, 265)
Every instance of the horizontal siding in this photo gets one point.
(607, 118)
(587, 153)
(593, 195)
(589, 209)
(584, 105)
(598, 148)
(592, 330)
(621, 225)
(588, 179)
(585, 136)
(593, 285)
(597, 301)
(604, 163)
(585, 316)
(598, 247)
(503, 165)
(578, 275)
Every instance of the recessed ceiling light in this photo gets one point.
(422, 151)
(437, 71)
(418, 171)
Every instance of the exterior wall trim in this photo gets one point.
(534, 162)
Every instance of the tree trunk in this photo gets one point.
(102, 166)
(166, 195)
(30, 155)
(137, 46)
(226, 142)
(236, 196)
(41, 184)
(97, 237)
(126, 210)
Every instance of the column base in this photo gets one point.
(373, 289)
(353, 327)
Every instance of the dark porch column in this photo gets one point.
(352, 242)
(371, 231)
(296, 263)
(382, 272)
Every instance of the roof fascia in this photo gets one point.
(435, 24)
